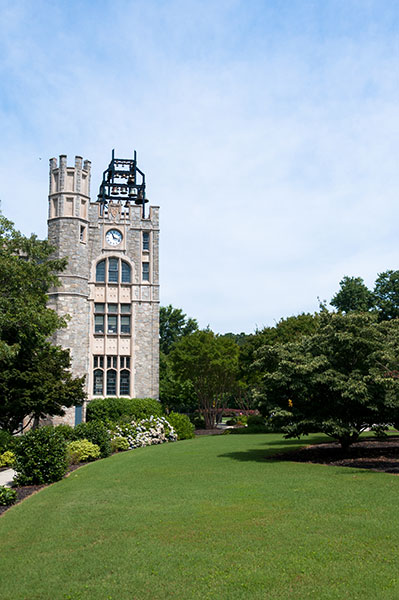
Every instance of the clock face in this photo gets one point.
(113, 237)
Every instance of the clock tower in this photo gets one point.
(110, 289)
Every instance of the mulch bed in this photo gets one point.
(370, 453)
(23, 491)
(209, 431)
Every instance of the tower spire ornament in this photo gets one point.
(123, 182)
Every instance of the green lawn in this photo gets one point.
(205, 518)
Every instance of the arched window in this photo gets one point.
(98, 382)
(100, 271)
(111, 382)
(124, 385)
(126, 270)
(113, 270)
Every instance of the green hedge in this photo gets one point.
(182, 425)
(115, 409)
(96, 433)
(40, 456)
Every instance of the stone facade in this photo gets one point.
(110, 288)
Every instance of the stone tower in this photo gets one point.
(110, 288)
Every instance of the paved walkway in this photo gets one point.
(7, 476)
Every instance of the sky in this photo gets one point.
(268, 131)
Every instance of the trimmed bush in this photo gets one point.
(7, 459)
(115, 409)
(119, 444)
(182, 425)
(7, 496)
(97, 433)
(67, 432)
(82, 451)
(40, 457)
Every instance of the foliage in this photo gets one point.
(40, 456)
(386, 295)
(290, 329)
(114, 409)
(34, 375)
(67, 432)
(173, 325)
(182, 425)
(7, 441)
(175, 394)
(147, 432)
(340, 380)
(82, 451)
(7, 496)
(353, 295)
(210, 362)
(7, 459)
(119, 444)
(97, 433)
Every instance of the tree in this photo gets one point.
(386, 294)
(354, 295)
(173, 325)
(340, 380)
(34, 376)
(210, 363)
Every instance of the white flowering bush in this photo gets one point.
(147, 432)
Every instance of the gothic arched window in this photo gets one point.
(100, 271)
(124, 383)
(126, 271)
(111, 382)
(98, 382)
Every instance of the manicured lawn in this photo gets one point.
(205, 518)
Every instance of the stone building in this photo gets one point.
(110, 287)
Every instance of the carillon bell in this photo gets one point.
(114, 190)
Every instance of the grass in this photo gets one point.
(205, 518)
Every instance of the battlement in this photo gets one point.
(74, 179)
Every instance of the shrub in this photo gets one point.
(7, 496)
(7, 459)
(182, 425)
(40, 456)
(7, 441)
(155, 430)
(115, 409)
(197, 420)
(119, 444)
(97, 433)
(256, 420)
(82, 451)
(67, 432)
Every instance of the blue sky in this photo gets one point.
(268, 132)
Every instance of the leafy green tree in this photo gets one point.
(34, 376)
(210, 363)
(286, 330)
(353, 295)
(386, 294)
(173, 325)
(340, 380)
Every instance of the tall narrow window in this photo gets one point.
(98, 323)
(112, 324)
(111, 383)
(125, 323)
(146, 240)
(100, 271)
(113, 264)
(124, 383)
(125, 272)
(98, 382)
(146, 271)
